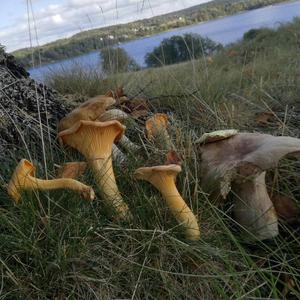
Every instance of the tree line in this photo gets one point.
(171, 50)
(96, 39)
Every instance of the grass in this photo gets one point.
(57, 246)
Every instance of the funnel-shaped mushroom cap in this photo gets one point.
(113, 114)
(163, 178)
(156, 125)
(89, 111)
(93, 139)
(24, 178)
(243, 154)
(157, 174)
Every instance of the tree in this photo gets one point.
(181, 48)
(115, 60)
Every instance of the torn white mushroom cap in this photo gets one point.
(244, 154)
(214, 136)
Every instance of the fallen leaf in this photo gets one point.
(265, 118)
(285, 207)
(120, 92)
(173, 158)
(72, 170)
(289, 284)
(232, 53)
(110, 93)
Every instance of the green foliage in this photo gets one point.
(254, 33)
(181, 48)
(116, 60)
(96, 39)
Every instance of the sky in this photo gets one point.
(25, 23)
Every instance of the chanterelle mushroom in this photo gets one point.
(24, 178)
(95, 141)
(156, 128)
(163, 178)
(238, 163)
(90, 110)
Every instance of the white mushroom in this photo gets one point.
(238, 164)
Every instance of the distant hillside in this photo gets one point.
(94, 39)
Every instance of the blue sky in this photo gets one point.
(54, 19)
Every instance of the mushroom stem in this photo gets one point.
(105, 177)
(59, 183)
(164, 182)
(23, 179)
(117, 154)
(126, 143)
(254, 209)
(179, 208)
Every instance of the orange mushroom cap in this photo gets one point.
(24, 169)
(153, 174)
(90, 110)
(156, 124)
(93, 139)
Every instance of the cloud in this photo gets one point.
(57, 19)
(70, 16)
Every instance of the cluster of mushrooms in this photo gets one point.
(232, 163)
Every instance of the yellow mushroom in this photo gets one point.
(163, 179)
(24, 178)
(90, 110)
(156, 128)
(95, 141)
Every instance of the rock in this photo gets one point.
(25, 107)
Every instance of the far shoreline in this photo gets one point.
(284, 2)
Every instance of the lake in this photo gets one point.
(223, 30)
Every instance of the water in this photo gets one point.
(223, 30)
